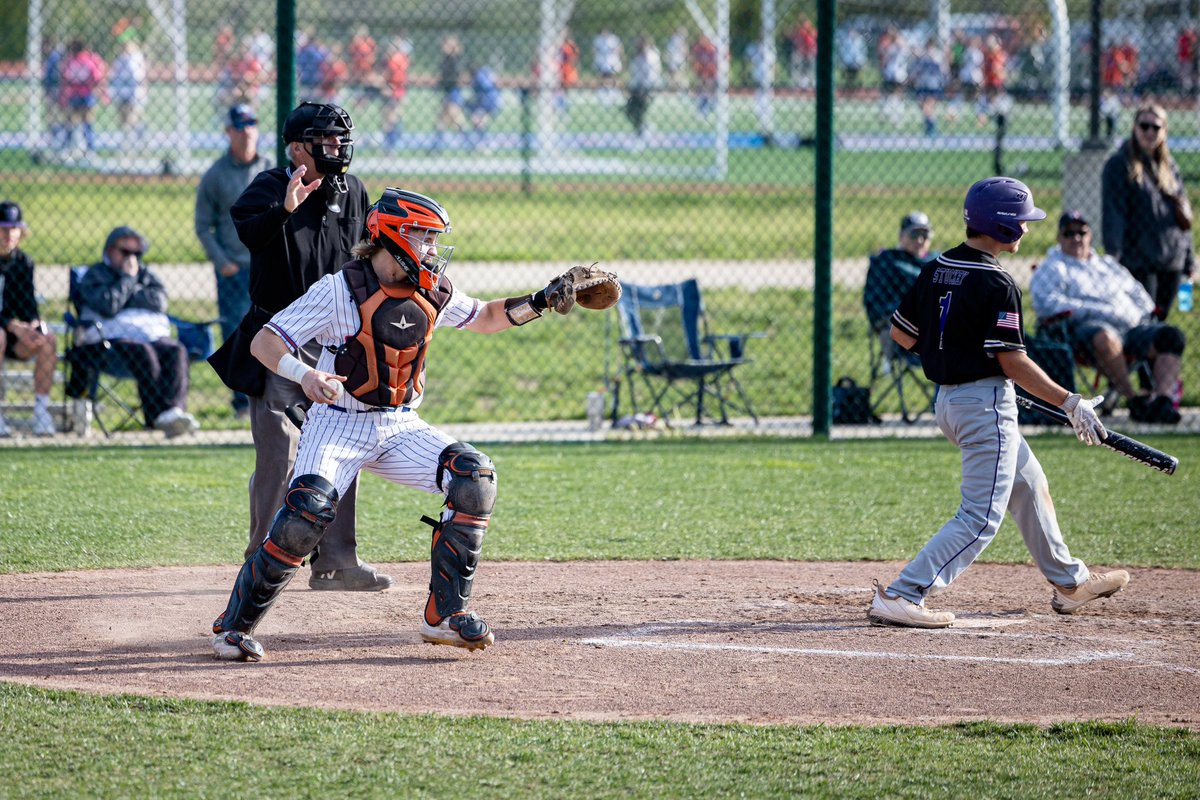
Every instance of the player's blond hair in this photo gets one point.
(1160, 157)
(365, 249)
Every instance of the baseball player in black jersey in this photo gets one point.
(963, 317)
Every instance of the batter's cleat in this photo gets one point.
(362, 578)
(1098, 584)
(236, 646)
(889, 610)
(464, 630)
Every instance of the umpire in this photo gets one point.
(299, 223)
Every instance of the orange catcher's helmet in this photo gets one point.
(400, 222)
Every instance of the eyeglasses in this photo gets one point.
(919, 234)
(137, 253)
(1071, 233)
(1150, 126)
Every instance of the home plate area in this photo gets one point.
(767, 642)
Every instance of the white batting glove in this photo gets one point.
(1082, 414)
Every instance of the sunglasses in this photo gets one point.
(919, 234)
(137, 253)
(1150, 126)
(1071, 233)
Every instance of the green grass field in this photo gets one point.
(97, 507)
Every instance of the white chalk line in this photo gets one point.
(640, 638)
(1080, 658)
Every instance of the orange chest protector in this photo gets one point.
(384, 363)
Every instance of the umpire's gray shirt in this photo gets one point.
(221, 185)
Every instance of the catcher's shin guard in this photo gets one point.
(308, 508)
(458, 538)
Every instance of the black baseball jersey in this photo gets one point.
(963, 309)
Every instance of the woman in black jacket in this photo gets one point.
(1147, 219)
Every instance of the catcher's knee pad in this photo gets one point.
(469, 479)
(1169, 340)
(308, 508)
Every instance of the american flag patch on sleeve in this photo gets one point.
(1009, 319)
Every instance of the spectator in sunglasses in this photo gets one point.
(1147, 218)
(124, 303)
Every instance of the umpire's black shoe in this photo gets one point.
(362, 578)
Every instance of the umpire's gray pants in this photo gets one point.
(275, 442)
(999, 471)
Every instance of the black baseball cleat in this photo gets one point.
(236, 646)
(465, 630)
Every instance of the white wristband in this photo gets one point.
(291, 368)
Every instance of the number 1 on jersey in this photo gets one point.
(944, 305)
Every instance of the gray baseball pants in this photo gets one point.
(999, 472)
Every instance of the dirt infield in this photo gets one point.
(764, 642)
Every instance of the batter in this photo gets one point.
(963, 317)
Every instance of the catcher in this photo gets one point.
(375, 319)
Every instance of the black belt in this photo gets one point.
(369, 409)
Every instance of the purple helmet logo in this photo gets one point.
(997, 206)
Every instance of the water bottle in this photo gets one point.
(1185, 295)
(595, 410)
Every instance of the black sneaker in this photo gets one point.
(1139, 409)
(362, 578)
(1163, 410)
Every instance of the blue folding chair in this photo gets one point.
(666, 345)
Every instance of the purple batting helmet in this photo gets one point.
(997, 207)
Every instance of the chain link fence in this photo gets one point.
(666, 139)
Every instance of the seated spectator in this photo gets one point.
(892, 272)
(1109, 317)
(23, 335)
(125, 303)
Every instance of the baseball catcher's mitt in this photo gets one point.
(588, 286)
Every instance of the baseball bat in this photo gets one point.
(296, 414)
(1130, 448)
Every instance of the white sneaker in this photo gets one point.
(175, 422)
(43, 423)
(1098, 584)
(888, 610)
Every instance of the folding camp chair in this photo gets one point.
(667, 346)
(897, 373)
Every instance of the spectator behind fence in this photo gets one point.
(82, 77)
(122, 301)
(220, 186)
(299, 223)
(608, 59)
(1109, 318)
(395, 66)
(23, 335)
(127, 82)
(645, 75)
(892, 273)
(1147, 219)
(450, 73)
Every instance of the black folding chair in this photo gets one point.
(896, 373)
(667, 347)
